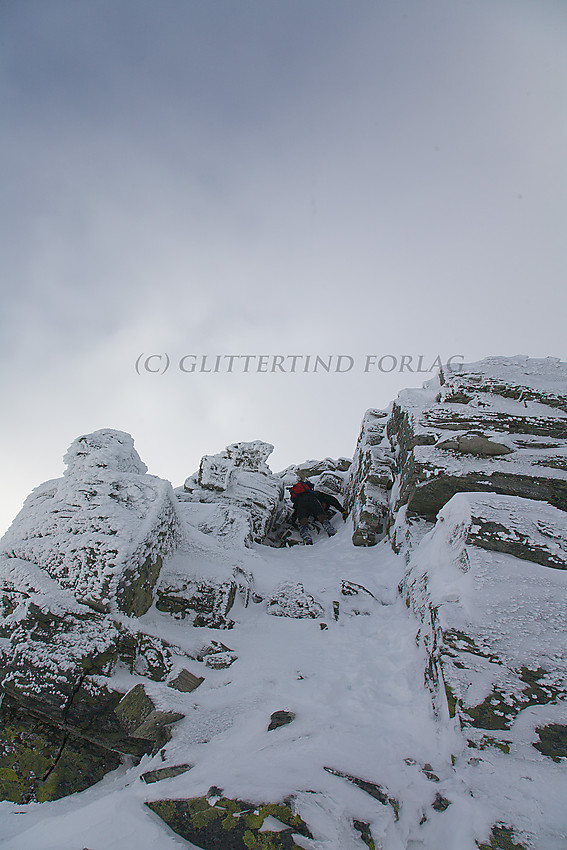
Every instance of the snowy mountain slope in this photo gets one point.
(355, 685)
(405, 693)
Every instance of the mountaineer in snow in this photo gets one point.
(308, 502)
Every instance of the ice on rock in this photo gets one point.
(103, 529)
(426, 677)
(241, 494)
(499, 425)
(370, 479)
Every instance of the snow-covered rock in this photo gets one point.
(412, 695)
(241, 495)
(493, 625)
(292, 600)
(499, 425)
(371, 477)
(103, 529)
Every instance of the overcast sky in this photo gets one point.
(268, 177)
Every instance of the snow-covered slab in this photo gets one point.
(370, 478)
(199, 584)
(103, 529)
(434, 475)
(519, 378)
(528, 529)
(239, 483)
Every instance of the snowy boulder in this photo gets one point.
(58, 733)
(227, 524)
(530, 530)
(371, 477)
(201, 586)
(203, 601)
(314, 468)
(103, 529)
(242, 495)
(492, 621)
(292, 600)
(57, 652)
(498, 426)
(103, 449)
(50, 651)
(141, 718)
(332, 483)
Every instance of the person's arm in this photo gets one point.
(329, 500)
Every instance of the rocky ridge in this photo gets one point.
(115, 589)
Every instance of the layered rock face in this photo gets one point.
(114, 590)
(77, 567)
(240, 497)
(103, 529)
(498, 426)
(483, 456)
(370, 480)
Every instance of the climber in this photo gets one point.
(308, 502)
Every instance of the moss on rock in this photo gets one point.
(552, 741)
(41, 762)
(501, 838)
(227, 824)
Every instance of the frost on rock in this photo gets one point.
(531, 530)
(499, 425)
(435, 723)
(58, 665)
(292, 600)
(493, 626)
(201, 586)
(103, 529)
(50, 652)
(370, 479)
(241, 494)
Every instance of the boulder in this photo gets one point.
(103, 529)
(292, 600)
(371, 477)
(140, 717)
(280, 718)
(214, 822)
(40, 761)
(240, 492)
(498, 426)
(162, 773)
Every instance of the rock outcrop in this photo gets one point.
(103, 529)
(238, 495)
(493, 625)
(498, 426)
(77, 567)
(114, 589)
(370, 480)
